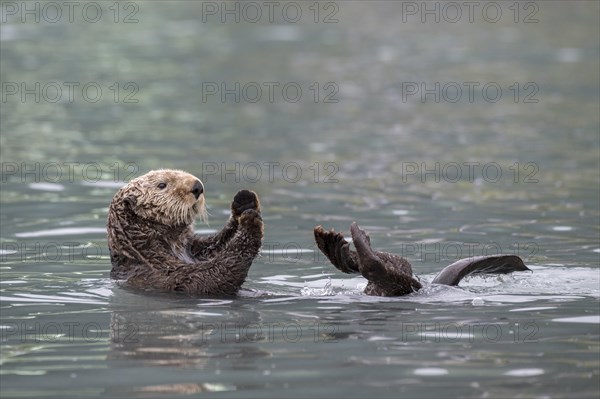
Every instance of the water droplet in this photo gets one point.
(477, 301)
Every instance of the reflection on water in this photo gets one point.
(431, 180)
(264, 341)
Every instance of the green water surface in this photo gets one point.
(445, 131)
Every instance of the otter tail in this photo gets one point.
(498, 264)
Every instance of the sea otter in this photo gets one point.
(152, 242)
(391, 275)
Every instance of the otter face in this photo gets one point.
(169, 197)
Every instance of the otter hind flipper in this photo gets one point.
(498, 264)
(370, 265)
(361, 240)
(388, 274)
(336, 249)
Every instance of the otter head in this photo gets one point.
(167, 197)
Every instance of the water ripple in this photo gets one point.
(65, 231)
(49, 299)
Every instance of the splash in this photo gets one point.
(327, 290)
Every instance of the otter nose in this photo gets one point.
(197, 189)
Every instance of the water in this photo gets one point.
(431, 180)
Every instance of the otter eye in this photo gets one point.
(161, 185)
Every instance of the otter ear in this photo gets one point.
(130, 201)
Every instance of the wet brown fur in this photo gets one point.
(388, 274)
(152, 242)
(391, 275)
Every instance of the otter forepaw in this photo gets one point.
(244, 200)
(251, 219)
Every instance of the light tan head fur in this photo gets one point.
(165, 196)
